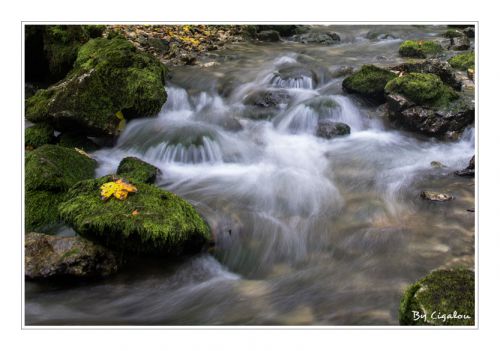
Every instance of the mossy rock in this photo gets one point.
(111, 80)
(425, 89)
(56, 168)
(463, 61)
(41, 209)
(368, 82)
(419, 49)
(52, 50)
(72, 140)
(441, 293)
(137, 170)
(38, 135)
(453, 33)
(149, 222)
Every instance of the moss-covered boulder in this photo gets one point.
(136, 170)
(111, 81)
(56, 168)
(453, 33)
(419, 49)
(50, 171)
(422, 88)
(50, 51)
(463, 61)
(442, 69)
(52, 257)
(444, 297)
(421, 102)
(72, 140)
(368, 82)
(150, 221)
(38, 135)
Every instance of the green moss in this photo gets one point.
(369, 81)
(453, 33)
(443, 292)
(463, 61)
(109, 76)
(56, 168)
(38, 135)
(41, 209)
(71, 140)
(423, 89)
(419, 49)
(164, 224)
(137, 170)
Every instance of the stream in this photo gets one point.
(308, 231)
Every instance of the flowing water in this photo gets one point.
(308, 231)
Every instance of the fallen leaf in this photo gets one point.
(119, 189)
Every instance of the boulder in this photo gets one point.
(269, 36)
(421, 102)
(453, 33)
(368, 82)
(469, 171)
(322, 38)
(295, 76)
(137, 170)
(72, 140)
(440, 68)
(463, 61)
(459, 43)
(264, 104)
(41, 209)
(419, 49)
(38, 135)
(434, 196)
(469, 32)
(111, 80)
(329, 129)
(150, 221)
(52, 257)
(445, 297)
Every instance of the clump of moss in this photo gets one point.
(56, 168)
(110, 78)
(38, 135)
(41, 208)
(76, 140)
(137, 170)
(423, 89)
(442, 292)
(419, 49)
(369, 82)
(150, 221)
(463, 61)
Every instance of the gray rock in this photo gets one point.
(329, 129)
(435, 196)
(469, 171)
(469, 32)
(48, 256)
(269, 36)
(459, 43)
(323, 38)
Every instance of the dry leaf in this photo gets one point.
(119, 189)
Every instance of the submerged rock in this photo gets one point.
(268, 35)
(38, 135)
(419, 49)
(295, 76)
(150, 221)
(111, 80)
(434, 196)
(51, 257)
(369, 82)
(323, 38)
(329, 129)
(469, 171)
(445, 297)
(136, 170)
(264, 104)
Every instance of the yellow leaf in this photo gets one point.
(118, 189)
(81, 152)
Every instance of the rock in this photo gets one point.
(459, 43)
(434, 196)
(374, 35)
(72, 140)
(51, 257)
(282, 30)
(442, 69)
(469, 32)
(463, 61)
(149, 222)
(293, 76)
(38, 135)
(136, 170)
(469, 171)
(50, 170)
(329, 129)
(324, 106)
(419, 49)
(56, 168)
(453, 33)
(110, 79)
(437, 164)
(323, 38)
(268, 35)
(368, 82)
(51, 50)
(342, 71)
(266, 103)
(421, 102)
(446, 297)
